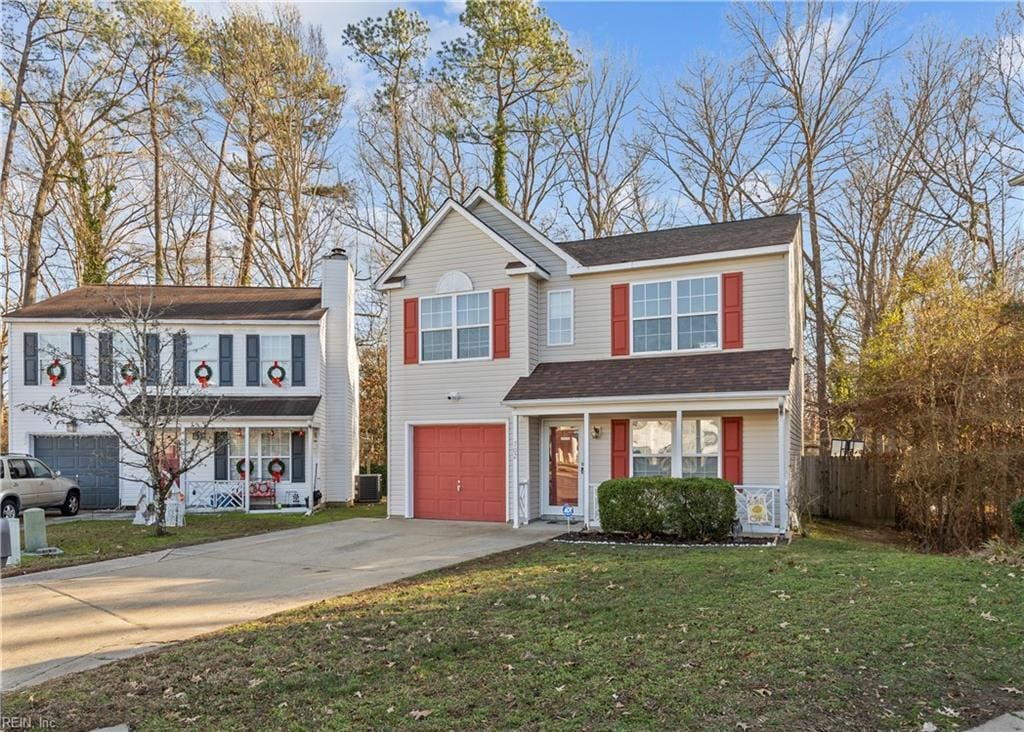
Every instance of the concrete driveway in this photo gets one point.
(67, 620)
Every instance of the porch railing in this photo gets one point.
(215, 495)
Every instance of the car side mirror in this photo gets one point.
(56, 473)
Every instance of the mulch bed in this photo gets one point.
(597, 537)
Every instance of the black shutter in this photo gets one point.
(220, 455)
(78, 358)
(106, 366)
(227, 360)
(298, 360)
(298, 457)
(180, 359)
(152, 358)
(31, 359)
(252, 360)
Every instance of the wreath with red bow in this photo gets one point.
(276, 468)
(240, 468)
(56, 372)
(203, 374)
(276, 374)
(129, 372)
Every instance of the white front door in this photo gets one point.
(561, 471)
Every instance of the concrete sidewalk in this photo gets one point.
(66, 620)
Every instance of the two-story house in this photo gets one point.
(524, 372)
(272, 372)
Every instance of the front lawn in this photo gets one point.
(829, 633)
(92, 540)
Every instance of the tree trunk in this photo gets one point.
(158, 240)
(396, 133)
(252, 207)
(499, 144)
(34, 241)
(214, 194)
(17, 97)
(820, 365)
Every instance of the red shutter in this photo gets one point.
(499, 315)
(732, 449)
(620, 320)
(732, 310)
(411, 324)
(620, 448)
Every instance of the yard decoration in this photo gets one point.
(276, 374)
(203, 374)
(56, 372)
(240, 468)
(276, 468)
(129, 372)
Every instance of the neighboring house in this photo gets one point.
(524, 372)
(309, 422)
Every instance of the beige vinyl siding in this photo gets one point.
(513, 234)
(418, 391)
(765, 304)
(760, 448)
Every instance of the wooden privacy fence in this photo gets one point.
(859, 489)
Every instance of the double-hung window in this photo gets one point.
(202, 348)
(53, 347)
(700, 448)
(455, 326)
(560, 318)
(275, 349)
(651, 447)
(676, 315)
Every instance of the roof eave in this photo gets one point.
(769, 394)
(688, 259)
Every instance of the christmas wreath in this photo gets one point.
(276, 374)
(56, 372)
(129, 372)
(203, 374)
(276, 468)
(240, 468)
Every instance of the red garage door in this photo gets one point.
(459, 472)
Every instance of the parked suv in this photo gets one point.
(27, 482)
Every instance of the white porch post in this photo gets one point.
(585, 471)
(677, 445)
(181, 456)
(514, 488)
(783, 467)
(248, 476)
(307, 431)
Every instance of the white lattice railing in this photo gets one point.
(215, 495)
(523, 501)
(594, 519)
(759, 509)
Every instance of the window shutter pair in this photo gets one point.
(31, 356)
(731, 306)
(500, 326)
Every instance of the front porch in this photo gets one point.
(254, 468)
(562, 454)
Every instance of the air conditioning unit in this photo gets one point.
(368, 488)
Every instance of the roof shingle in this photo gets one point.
(698, 373)
(243, 406)
(172, 302)
(684, 241)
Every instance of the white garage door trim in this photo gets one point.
(409, 467)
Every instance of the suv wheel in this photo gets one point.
(9, 508)
(71, 504)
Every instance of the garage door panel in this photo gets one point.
(459, 472)
(93, 460)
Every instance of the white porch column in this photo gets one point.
(248, 473)
(783, 467)
(677, 445)
(585, 470)
(182, 479)
(515, 471)
(308, 440)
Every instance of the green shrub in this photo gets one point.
(695, 509)
(631, 505)
(1017, 515)
(702, 509)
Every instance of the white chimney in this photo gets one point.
(339, 440)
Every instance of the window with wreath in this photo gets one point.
(651, 447)
(455, 327)
(265, 447)
(275, 349)
(203, 349)
(51, 347)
